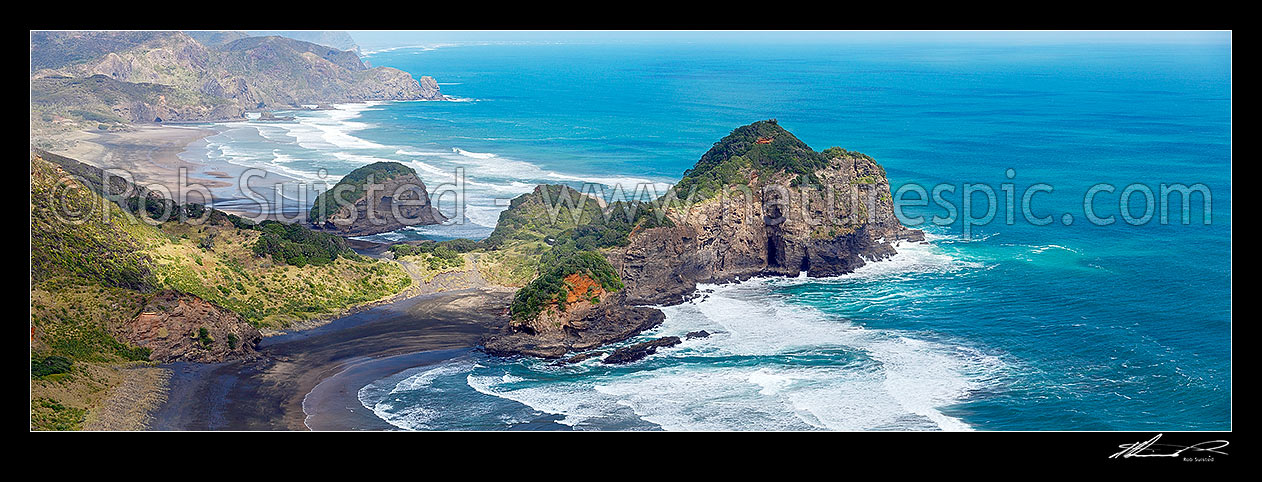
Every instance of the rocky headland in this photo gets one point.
(759, 203)
(118, 78)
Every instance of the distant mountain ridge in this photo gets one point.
(165, 76)
(337, 40)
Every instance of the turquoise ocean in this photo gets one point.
(1013, 327)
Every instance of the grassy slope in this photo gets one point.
(89, 278)
(91, 99)
(528, 229)
(541, 240)
(264, 292)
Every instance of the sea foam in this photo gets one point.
(771, 364)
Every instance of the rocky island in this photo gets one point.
(795, 211)
(376, 198)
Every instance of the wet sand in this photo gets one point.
(330, 363)
(150, 153)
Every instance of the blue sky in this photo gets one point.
(373, 40)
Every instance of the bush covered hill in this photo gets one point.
(95, 266)
(541, 239)
(352, 187)
(760, 149)
(592, 277)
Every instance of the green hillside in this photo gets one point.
(94, 266)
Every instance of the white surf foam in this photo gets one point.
(800, 369)
(389, 407)
(769, 365)
(475, 155)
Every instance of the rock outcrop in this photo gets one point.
(428, 88)
(639, 351)
(182, 327)
(768, 227)
(609, 322)
(377, 198)
(759, 203)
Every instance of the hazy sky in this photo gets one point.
(372, 40)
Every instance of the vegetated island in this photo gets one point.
(590, 279)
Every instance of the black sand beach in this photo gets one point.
(330, 363)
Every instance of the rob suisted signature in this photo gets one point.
(1151, 448)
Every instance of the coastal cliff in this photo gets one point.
(822, 214)
(112, 78)
(759, 203)
(377, 198)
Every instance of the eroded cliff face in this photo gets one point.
(767, 228)
(610, 321)
(160, 109)
(783, 210)
(589, 317)
(402, 201)
(182, 327)
(427, 87)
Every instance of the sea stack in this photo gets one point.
(377, 198)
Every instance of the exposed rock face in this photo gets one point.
(782, 230)
(795, 211)
(110, 100)
(429, 89)
(182, 327)
(582, 295)
(609, 322)
(387, 197)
